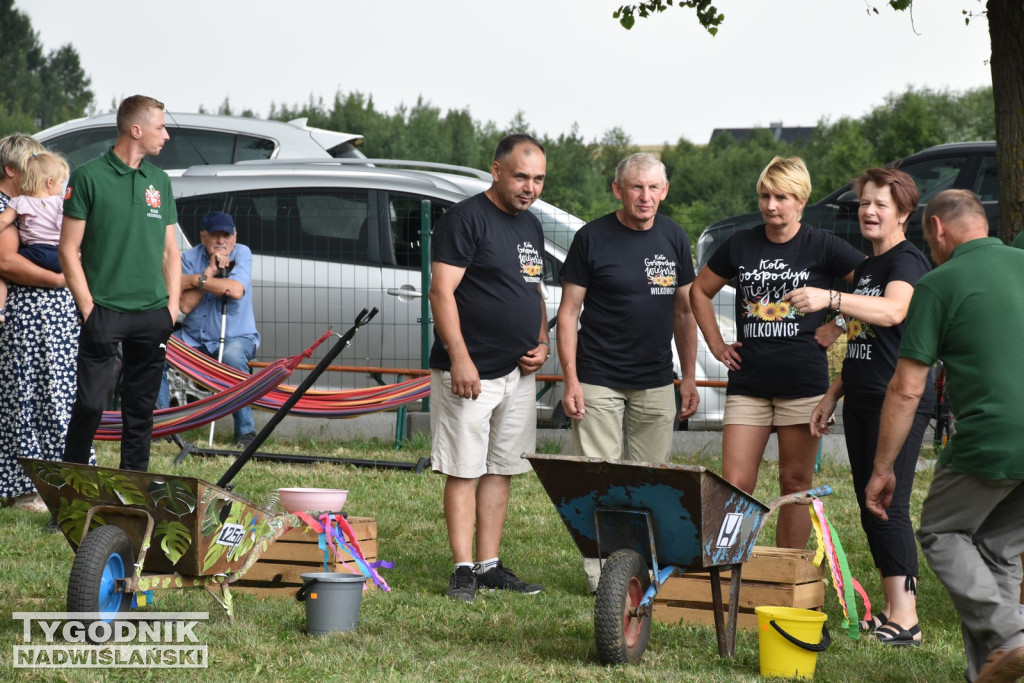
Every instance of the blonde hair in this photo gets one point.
(786, 176)
(40, 167)
(14, 148)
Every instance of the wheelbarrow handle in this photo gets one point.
(247, 453)
(802, 497)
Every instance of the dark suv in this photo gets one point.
(965, 165)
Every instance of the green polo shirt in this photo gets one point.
(969, 313)
(126, 213)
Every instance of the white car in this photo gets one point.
(712, 399)
(197, 139)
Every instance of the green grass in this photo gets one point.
(414, 633)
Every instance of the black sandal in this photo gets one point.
(869, 625)
(897, 636)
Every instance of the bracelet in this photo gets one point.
(831, 297)
(840, 304)
(544, 343)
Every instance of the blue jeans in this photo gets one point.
(238, 351)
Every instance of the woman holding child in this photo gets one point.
(38, 347)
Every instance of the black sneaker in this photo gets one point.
(462, 584)
(502, 578)
(244, 440)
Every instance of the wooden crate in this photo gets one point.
(279, 572)
(771, 576)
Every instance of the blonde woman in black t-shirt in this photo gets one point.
(777, 371)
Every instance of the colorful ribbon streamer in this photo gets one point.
(327, 543)
(842, 579)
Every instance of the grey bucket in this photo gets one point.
(332, 601)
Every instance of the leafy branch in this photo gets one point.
(707, 14)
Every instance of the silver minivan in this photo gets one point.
(332, 237)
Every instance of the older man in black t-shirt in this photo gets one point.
(490, 336)
(630, 272)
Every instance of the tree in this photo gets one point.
(1005, 27)
(838, 152)
(37, 90)
(917, 119)
(615, 146)
(721, 176)
(575, 183)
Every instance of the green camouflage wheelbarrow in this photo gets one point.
(205, 535)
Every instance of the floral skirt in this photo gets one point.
(38, 366)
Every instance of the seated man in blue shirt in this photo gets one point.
(216, 271)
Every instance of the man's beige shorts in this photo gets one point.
(768, 412)
(485, 436)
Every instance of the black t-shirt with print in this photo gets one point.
(872, 351)
(779, 356)
(631, 276)
(498, 298)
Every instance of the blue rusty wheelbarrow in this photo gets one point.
(649, 521)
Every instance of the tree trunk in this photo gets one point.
(1006, 28)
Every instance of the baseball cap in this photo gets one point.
(218, 221)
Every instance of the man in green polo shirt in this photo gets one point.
(120, 256)
(968, 313)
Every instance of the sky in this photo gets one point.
(561, 62)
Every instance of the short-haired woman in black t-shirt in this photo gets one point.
(874, 313)
(777, 370)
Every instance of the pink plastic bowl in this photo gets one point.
(313, 500)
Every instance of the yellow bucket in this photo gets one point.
(789, 640)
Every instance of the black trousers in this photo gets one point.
(143, 339)
(892, 542)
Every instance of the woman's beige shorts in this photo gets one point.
(768, 412)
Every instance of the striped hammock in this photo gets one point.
(220, 404)
(345, 403)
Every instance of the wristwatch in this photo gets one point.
(202, 282)
(840, 321)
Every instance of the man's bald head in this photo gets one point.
(951, 218)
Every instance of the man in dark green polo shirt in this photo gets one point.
(968, 313)
(120, 256)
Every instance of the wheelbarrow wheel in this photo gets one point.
(621, 634)
(103, 557)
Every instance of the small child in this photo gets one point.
(37, 213)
